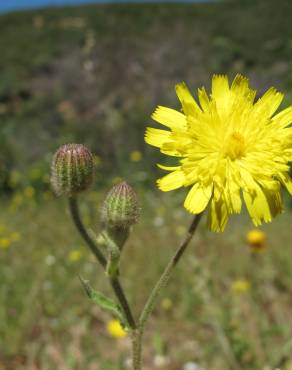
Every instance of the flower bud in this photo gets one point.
(256, 240)
(72, 169)
(120, 208)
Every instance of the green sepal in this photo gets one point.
(104, 302)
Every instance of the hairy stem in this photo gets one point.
(74, 211)
(162, 282)
(115, 283)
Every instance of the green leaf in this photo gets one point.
(104, 302)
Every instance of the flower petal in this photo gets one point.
(283, 118)
(257, 205)
(156, 137)
(170, 118)
(286, 181)
(168, 168)
(198, 198)
(269, 102)
(217, 215)
(221, 91)
(171, 181)
(189, 105)
(204, 99)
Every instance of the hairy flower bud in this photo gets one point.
(72, 169)
(120, 208)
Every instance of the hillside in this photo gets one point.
(95, 73)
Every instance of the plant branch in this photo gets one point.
(162, 282)
(74, 210)
(115, 283)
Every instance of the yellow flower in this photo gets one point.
(5, 243)
(136, 156)
(2, 228)
(228, 145)
(97, 161)
(29, 192)
(75, 255)
(256, 239)
(115, 329)
(180, 230)
(240, 286)
(166, 304)
(117, 179)
(15, 236)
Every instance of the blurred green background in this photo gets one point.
(93, 75)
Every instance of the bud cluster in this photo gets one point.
(72, 169)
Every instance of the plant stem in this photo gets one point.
(162, 282)
(115, 283)
(119, 292)
(74, 210)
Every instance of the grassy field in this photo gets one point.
(224, 307)
(94, 74)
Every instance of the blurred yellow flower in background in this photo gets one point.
(115, 329)
(15, 178)
(97, 160)
(75, 255)
(2, 228)
(5, 243)
(256, 240)
(240, 286)
(15, 236)
(228, 145)
(116, 180)
(180, 230)
(166, 304)
(136, 156)
(29, 192)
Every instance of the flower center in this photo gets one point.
(234, 146)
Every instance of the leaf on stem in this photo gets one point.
(104, 302)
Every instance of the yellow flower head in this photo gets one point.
(115, 329)
(136, 156)
(240, 286)
(74, 255)
(228, 145)
(256, 239)
(5, 243)
(29, 192)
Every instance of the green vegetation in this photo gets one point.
(94, 75)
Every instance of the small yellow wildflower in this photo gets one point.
(180, 230)
(15, 236)
(15, 178)
(97, 161)
(2, 228)
(228, 145)
(256, 239)
(47, 195)
(166, 304)
(117, 180)
(136, 156)
(35, 174)
(17, 199)
(5, 243)
(240, 286)
(29, 192)
(74, 255)
(115, 329)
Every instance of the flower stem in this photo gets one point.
(162, 282)
(74, 211)
(115, 283)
